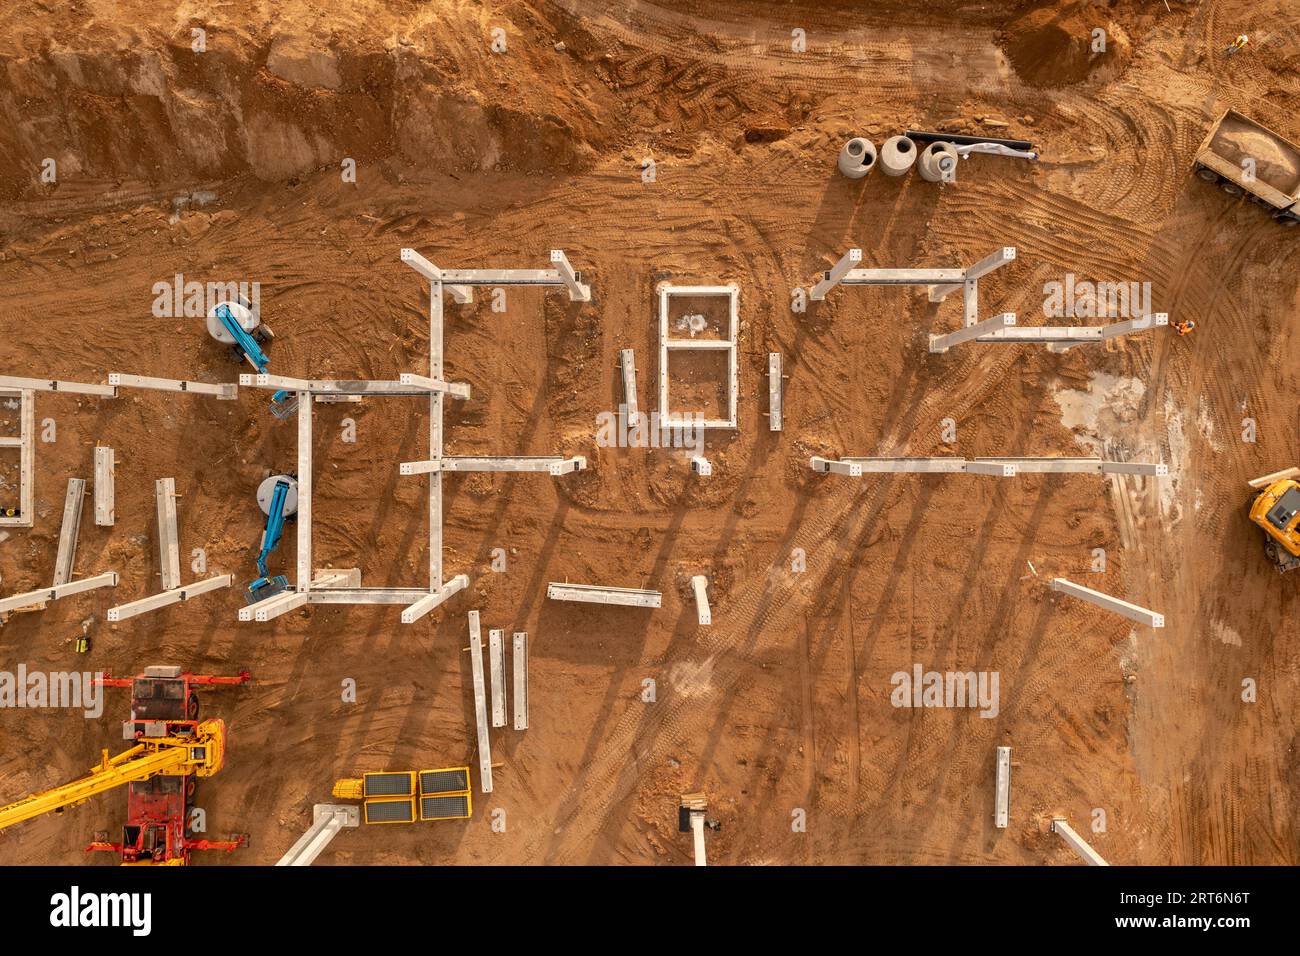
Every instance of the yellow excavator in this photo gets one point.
(1276, 509)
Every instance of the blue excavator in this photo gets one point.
(278, 497)
(283, 403)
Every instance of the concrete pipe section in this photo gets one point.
(897, 155)
(938, 164)
(857, 158)
(266, 493)
(241, 312)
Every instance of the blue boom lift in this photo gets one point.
(283, 403)
(277, 512)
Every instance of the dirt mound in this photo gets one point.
(1060, 46)
(1274, 163)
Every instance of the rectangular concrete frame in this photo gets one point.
(519, 671)
(597, 594)
(667, 344)
(1002, 800)
(69, 531)
(497, 671)
(774, 409)
(24, 441)
(700, 585)
(1133, 612)
(480, 703)
(460, 284)
(1077, 843)
(419, 602)
(17, 602)
(999, 328)
(105, 486)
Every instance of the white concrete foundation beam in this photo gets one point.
(430, 601)
(69, 531)
(915, 466)
(697, 837)
(480, 703)
(169, 557)
(1133, 612)
(551, 464)
(224, 390)
(577, 291)
(827, 466)
(1077, 843)
(497, 673)
(1116, 329)
(327, 820)
(774, 388)
(105, 486)
(421, 265)
(833, 276)
(15, 383)
(519, 671)
(701, 466)
(419, 467)
(597, 594)
(941, 343)
(700, 585)
(627, 363)
(273, 607)
(167, 598)
(459, 390)
(1002, 797)
(27, 599)
(991, 262)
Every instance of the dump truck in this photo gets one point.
(1245, 158)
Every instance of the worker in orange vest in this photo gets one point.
(1185, 327)
(1237, 45)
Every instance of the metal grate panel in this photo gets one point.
(390, 784)
(390, 811)
(443, 808)
(453, 780)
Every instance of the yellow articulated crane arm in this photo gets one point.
(201, 755)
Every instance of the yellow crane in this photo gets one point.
(1276, 509)
(199, 754)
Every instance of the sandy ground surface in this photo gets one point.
(481, 159)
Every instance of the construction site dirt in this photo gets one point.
(693, 143)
